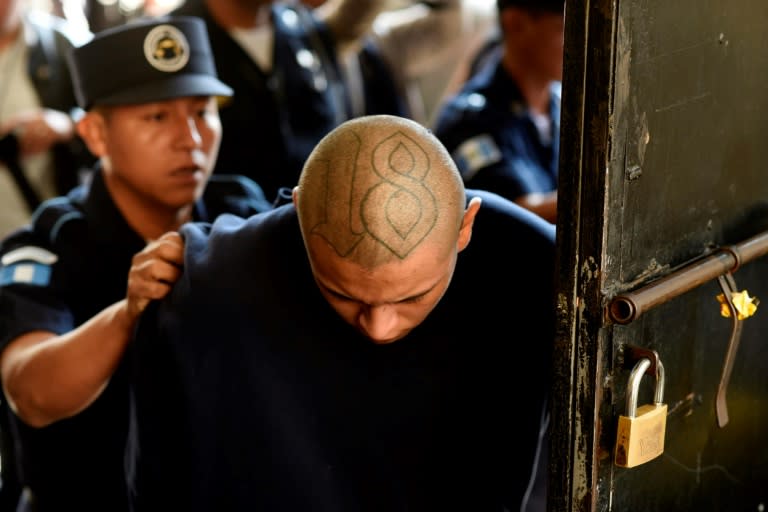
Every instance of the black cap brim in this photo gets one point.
(168, 88)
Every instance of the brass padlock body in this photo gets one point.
(641, 438)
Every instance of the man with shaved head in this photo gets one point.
(352, 351)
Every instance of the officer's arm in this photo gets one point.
(349, 20)
(47, 377)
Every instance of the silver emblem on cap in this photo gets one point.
(166, 48)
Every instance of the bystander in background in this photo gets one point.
(41, 156)
(503, 127)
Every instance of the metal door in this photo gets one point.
(663, 188)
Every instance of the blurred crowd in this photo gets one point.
(411, 58)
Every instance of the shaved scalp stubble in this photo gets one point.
(378, 188)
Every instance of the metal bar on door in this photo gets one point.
(627, 307)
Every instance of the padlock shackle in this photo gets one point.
(633, 389)
(658, 395)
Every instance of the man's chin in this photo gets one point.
(386, 341)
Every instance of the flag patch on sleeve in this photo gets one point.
(474, 154)
(27, 265)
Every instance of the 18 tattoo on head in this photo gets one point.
(376, 190)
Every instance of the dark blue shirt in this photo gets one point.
(77, 463)
(252, 393)
(493, 138)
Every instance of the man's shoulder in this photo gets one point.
(229, 234)
(236, 253)
(236, 194)
(27, 256)
(469, 105)
(471, 112)
(508, 220)
(58, 218)
(467, 128)
(25, 261)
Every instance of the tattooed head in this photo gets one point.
(378, 188)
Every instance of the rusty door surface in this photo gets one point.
(663, 196)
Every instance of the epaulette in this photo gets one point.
(50, 219)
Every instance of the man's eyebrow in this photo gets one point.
(418, 296)
(411, 298)
(336, 293)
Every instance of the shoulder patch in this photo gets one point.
(25, 273)
(27, 265)
(476, 153)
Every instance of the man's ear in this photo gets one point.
(295, 196)
(92, 129)
(465, 232)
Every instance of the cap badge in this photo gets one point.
(166, 48)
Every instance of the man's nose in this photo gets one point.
(189, 131)
(378, 322)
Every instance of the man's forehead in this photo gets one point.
(386, 284)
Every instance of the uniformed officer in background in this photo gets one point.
(68, 303)
(503, 127)
(280, 58)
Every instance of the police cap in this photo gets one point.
(149, 59)
(533, 5)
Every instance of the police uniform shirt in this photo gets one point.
(72, 263)
(274, 120)
(493, 138)
(251, 393)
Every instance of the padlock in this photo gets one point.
(640, 435)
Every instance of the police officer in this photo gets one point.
(280, 57)
(503, 127)
(150, 90)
